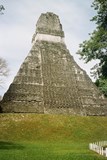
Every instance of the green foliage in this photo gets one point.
(101, 18)
(96, 46)
(50, 137)
(101, 83)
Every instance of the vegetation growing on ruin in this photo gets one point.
(55, 137)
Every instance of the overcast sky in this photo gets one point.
(17, 26)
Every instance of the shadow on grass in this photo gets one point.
(10, 145)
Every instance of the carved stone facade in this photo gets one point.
(50, 81)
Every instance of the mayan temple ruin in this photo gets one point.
(49, 81)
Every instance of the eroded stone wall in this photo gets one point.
(49, 80)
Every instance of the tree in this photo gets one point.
(101, 83)
(3, 73)
(3, 69)
(1, 9)
(96, 47)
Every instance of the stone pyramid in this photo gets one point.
(49, 81)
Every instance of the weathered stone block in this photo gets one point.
(49, 81)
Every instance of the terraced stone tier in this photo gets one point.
(49, 81)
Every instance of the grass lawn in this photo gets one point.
(46, 151)
(50, 137)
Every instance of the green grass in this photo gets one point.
(50, 137)
(46, 151)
